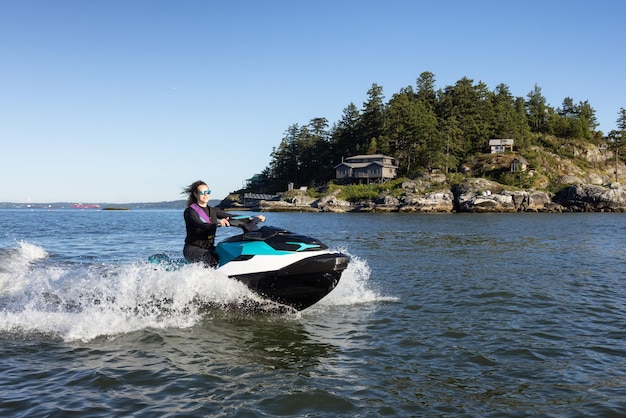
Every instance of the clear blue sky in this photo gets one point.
(123, 101)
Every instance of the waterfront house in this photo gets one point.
(375, 168)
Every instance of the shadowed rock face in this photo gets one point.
(592, 198)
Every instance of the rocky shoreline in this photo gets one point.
(473, 195)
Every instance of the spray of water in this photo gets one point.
(83, 302)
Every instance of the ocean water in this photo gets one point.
(437, 315)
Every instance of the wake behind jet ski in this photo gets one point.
(287, 268)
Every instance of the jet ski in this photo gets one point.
(288, 268)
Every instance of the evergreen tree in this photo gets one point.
(618, 136)
(587, 115)
(401, 131)
(344, 134)
(621, 122)
(617, 140)
(371, 123)
(522, 129)
(435, 154)
(426, 89)
(317, 157)
(537, 110)
(450, 135)
(505, 116)
(284, 164)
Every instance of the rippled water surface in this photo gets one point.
(437, 315)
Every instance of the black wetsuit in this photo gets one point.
(200, 240)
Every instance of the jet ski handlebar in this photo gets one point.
(246, 223)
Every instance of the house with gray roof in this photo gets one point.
(375, 168)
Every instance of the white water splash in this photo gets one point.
(354, 287)
(83, 302)
(16, 260)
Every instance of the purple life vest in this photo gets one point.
(203, 216)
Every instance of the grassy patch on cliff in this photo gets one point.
(359, 192)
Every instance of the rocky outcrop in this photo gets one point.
(477, 195)
(482, 195)
(435, 202)
(333, 204)
(285, 206)
(592, 198)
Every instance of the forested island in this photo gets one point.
(439, 139)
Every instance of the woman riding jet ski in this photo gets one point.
(290, 269)
(287, 268)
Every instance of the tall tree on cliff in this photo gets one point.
(621, 122)
(344, 134)
(284, 164)
(537, 110)
(426, 89)
(371, 126)
(411, 127)
(315, 153)
(400, 128)
(587, 116)
(617, 140)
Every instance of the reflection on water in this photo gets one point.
(270, 342)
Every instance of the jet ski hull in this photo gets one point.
(301, 284)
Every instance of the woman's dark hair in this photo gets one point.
(191, 189)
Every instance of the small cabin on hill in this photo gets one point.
(501, 145)
(375, 168)
(519, 164)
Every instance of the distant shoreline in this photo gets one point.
(177, 204)
(174, 204)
